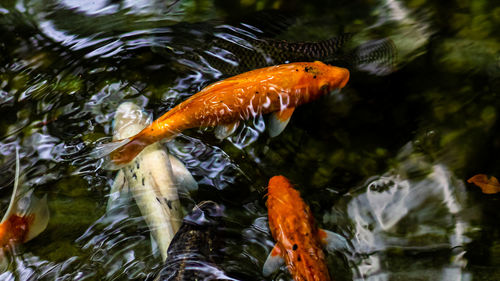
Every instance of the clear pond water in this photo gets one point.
(384, 162)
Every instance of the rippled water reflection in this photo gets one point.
(382, 163)
(415, 208)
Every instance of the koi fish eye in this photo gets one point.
(325, 88)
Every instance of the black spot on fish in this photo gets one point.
(299, 259)
(297, 69)
(137, 164)
(295, 247)
(142, 181)
(314, 76)
(158, 199)
(256, 92)
(134, 176)
(306, 69)
(169, 204)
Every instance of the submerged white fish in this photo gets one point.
(152, 178)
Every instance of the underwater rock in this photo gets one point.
(194, 251)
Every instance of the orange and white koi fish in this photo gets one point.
(276, 89)
(299, 242)
(26, 216)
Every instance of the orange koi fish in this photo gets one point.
(23, 222)
(487, 185)
(276, 89)
(299, 241)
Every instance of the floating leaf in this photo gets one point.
(487, 185)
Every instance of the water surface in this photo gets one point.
(383, 162)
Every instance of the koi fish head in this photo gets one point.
(331, 77)
(278, 185)
(129, 120)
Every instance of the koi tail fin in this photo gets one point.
(109, 151)
(24, 203)
(129, 120)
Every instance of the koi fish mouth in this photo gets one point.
(346, 78)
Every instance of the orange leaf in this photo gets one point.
(487, 185)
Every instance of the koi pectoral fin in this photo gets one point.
(182, 175)
(224, 131)
(154, 246)
(333, 241)
(273, 261)
(116, 194)
(279, 120)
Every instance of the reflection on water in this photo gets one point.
(415, 207)
(421, 73)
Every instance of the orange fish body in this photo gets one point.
(299, 240)
(272, 89)
(14, 230)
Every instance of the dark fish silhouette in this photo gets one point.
(240, 45)
(231, 50)
(235, 53)
(193, 252)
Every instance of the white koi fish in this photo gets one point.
(152, 178)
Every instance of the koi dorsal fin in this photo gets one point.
(273, 262)
(221, 85)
